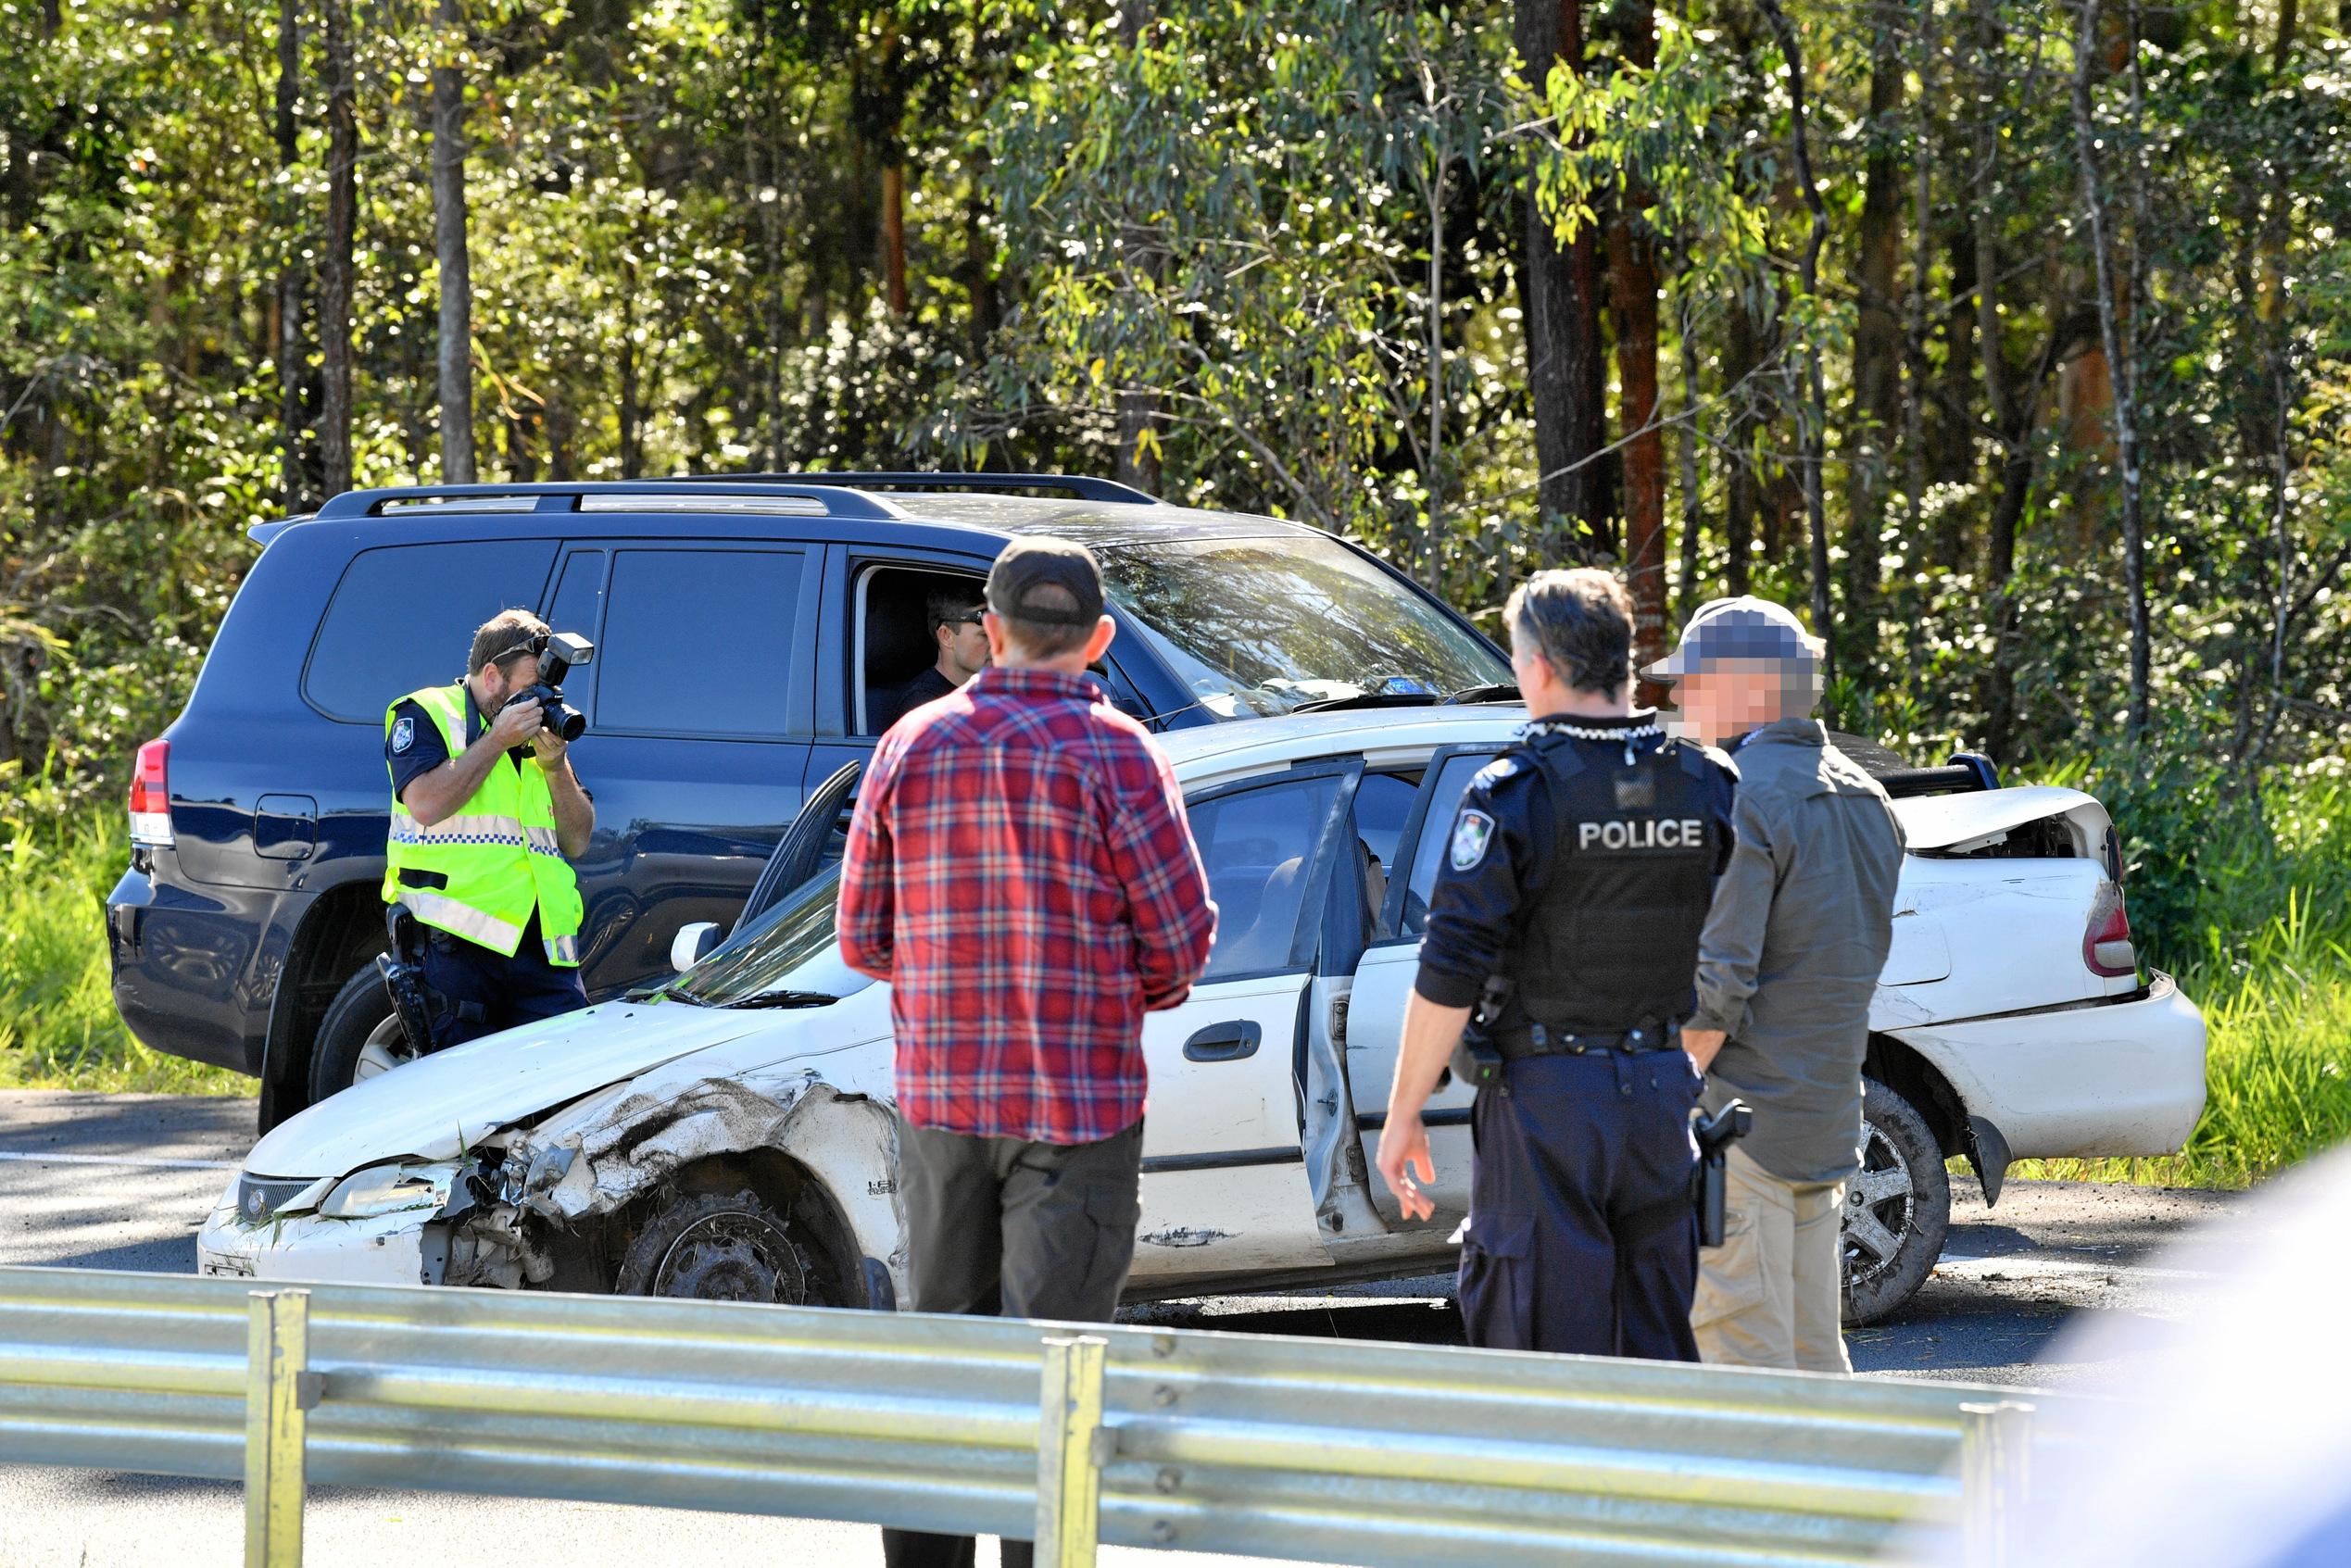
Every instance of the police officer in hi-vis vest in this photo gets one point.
(486, 815)
(1577, 879)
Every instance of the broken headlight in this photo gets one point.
(387, 1189)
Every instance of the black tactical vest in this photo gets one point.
(1612, 941)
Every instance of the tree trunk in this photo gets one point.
(1877, 344)
(334, 272)
(1743, 498)
(631, 411)
(979, 272)
(1559, 289)
(1137, 459)
(2115, 335)
(1632, 293)
(293, 466)
(1817, 417)
(1692, 476)
(2012, 433)
(894, 231)
(1922, 211)
(454, 344)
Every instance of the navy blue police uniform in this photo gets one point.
(475, 990)
(1579, 870)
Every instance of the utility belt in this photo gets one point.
(1539, 1039)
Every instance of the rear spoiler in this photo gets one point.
(1966, 773)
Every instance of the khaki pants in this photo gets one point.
(1768, 1296)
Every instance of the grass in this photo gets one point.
(58, 1029)
(2254, 902)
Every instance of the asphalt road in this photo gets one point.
(123, 1182)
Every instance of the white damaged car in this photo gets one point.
(730, 1135)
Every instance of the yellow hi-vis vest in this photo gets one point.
(498, 852)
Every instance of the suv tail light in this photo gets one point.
(151, 796)
(2106, 946)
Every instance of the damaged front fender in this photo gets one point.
(535, 1186)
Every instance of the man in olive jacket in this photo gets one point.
(1788, 961)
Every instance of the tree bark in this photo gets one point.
(1559, 289)
(334, 272)
(1823, 619)
(894, 231)
(455, 343)
(1922, 211)
(293, 466)
(1137, 459)
(1632, 290)
(1692, 475)
(1877, 344)
(1743, 343)
(2115, 335)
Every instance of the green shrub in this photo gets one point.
(58, 1028)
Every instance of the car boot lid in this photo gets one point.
(438, 1107)
(1950, 822)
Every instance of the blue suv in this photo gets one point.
(749, 634)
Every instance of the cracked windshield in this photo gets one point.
(1260, 626)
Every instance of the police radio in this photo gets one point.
(1477, 1060)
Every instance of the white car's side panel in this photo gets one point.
(2112, 1079)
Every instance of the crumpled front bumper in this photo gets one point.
(384, 1249)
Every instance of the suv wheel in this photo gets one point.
(359, 1038)
(1897, 1209)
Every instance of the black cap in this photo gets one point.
(1028, 565)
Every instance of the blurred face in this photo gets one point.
(1726, 700)
(962, 647)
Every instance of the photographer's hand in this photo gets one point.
(552, 748)
(516, 723)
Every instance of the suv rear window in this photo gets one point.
(698, 641)
(1258, 626)
(404, 617)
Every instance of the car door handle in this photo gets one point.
(1224, 1042)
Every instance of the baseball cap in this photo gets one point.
(1744, 629)
(1029, 565)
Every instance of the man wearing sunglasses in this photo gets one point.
(953, 617)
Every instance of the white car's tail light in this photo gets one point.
(151, 796)
(2106, 946)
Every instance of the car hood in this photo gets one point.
(436, 1108)
(1940, 821)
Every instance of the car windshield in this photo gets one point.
(789, 950)
(1263, 626)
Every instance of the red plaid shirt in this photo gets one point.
(1021, 870)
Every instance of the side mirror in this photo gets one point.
(692, 943)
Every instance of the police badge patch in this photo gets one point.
(403, 733)
(1471, 836)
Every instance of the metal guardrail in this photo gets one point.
(1330, 1451)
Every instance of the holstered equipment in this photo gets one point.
(1477, 1062)
(1715, 1135)
(403, 972)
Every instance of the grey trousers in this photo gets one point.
(1012, 1228)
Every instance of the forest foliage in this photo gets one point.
(1857, 304)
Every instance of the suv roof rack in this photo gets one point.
(747, 492)
(1083, 486)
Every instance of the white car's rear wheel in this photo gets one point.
(1897, 1208)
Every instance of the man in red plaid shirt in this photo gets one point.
(1021, 872)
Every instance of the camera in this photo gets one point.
(558, 653)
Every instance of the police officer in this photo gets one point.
(487, 816)
(1577, 877)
